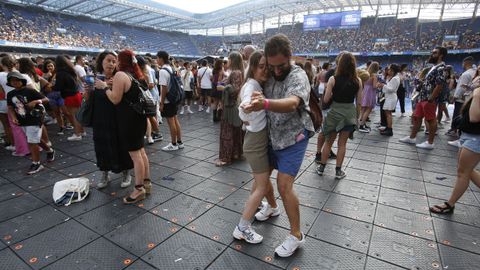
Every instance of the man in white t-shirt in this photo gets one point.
(168, 109)
(204, 80)
(187, 78)
(80, 70)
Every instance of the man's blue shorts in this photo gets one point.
(288, 160)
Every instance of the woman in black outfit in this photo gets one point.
(131, 125)
(111, 155)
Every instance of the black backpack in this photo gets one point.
(175, 88)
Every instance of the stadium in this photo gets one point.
(267, 134)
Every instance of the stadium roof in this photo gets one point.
(153, 14)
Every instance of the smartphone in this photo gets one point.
(90, 79)
(101, 77)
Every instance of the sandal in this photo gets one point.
(148, 186)
(140, 197)
(220, 163)
(446, 208)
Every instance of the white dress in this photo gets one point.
(390, 91)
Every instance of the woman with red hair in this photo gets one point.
(131, 125)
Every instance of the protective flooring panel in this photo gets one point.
(443, 193)
(241, 165)
(313, 180)
(320, 255)
(203, 169)
(158, 196)
(217, 224)
(236, 201)
(63, 160)
(273, 236)
(200, 154)
(49, 246)
(100, 254)
(404, 250)
(403, 162)
(307, 217)
(440, 178)
(465, 214)
(11, 261)
(369, 156)
(401, 154)
(142, 234)
(4, 181)
(18, 206)
(157, 172)
(405, 221)
(457, 235)
(110, 216)
(79, 170)
(95, 199)
(140, 265)
(179, 162)
(182, 209)
(404, 200)
(363, 176)
(180, 181)
(311, 197)
(232, 177)
(29, 224)
(358, 190)
(341, 231)
(184, 250)
(10, 191)
(403, 172)
(40, 180)
(366, 165)
(350, 207)
(234, 260)
(453, 258)
(402, 184)
(374, 264)
(211, 191)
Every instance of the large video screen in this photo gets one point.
(346, 19)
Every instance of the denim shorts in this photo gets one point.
(55, 99)
(471, 142)
(289, 160)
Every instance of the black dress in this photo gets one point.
(111, 155)
(131, 125)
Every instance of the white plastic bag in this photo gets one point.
(70, 191)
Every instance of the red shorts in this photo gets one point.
(73, 101)
(425, 109)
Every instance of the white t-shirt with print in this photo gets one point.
(164, 79)
(205, 73)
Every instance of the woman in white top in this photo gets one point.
(390, 91)
(255, 149)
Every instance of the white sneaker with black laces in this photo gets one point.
(74, 137)
(180, 145)
(170, 147)
(266, 212)
(249, 235)
(35, 168)
(288, 247)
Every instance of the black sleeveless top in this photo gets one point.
(344, 90)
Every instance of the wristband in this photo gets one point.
(266, 104)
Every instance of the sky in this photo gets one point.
(199, 6)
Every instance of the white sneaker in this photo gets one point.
(150, 140)
(288, 247)
(262, 205)
(49, 144)
(407, 139)
(402, 115)
(182, 111)
(189, 111)
(200, 108)
(126, 180)
(170, 147)
(75, 137)
(208, 110)
(455, 143)
(381, 128)
(10, 148)
(180, 145)
(249, 235)
(425, 145)
(266, 212)
(104, 181)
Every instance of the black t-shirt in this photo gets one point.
(19, 99)
(344, 90)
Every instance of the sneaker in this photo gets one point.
(407, 139)
(51, 122)
(451, 132)
(67, 127)
(387, 132)
(262, 205)
(10, 148)
(35, 168)
(83, 134)
(363, 129)
(104, 181)
(381, 128)
(126, 180)
(182, 111)
(455, 143)
(61, 131)
(18, 155)
(180, 145)
(189, 111)
(320, 169)
(150, 140)
(340, 174)
(208, 110)
(249, 235)
(75, 137)
(425, 145)
(266, 212)
(49, 144)
(200, 108)
(170, 147)
(402, 115)
(157, 137)
(51, 156)
(288, 247)
(318, 158)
